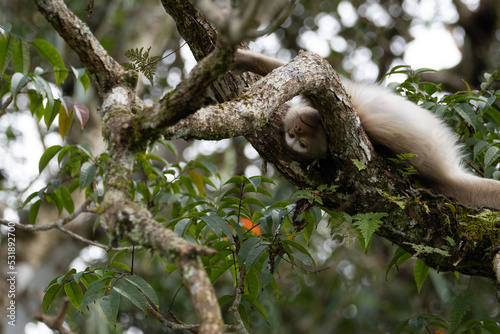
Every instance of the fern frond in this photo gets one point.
(142, 62)
(367, 224)
(460, 306)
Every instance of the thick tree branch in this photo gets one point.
(121, 216)
(104, 69)
(446, 235)
(185, 99)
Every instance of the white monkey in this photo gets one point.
(392, 121)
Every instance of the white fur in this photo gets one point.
(403, 127)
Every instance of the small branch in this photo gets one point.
(56, 323)
(84, 240)
(58, 223)
(7, 102)
(179, 324)
(233, 310)
(170, 324)
(72, 234)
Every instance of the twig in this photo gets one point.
(57, 322)
(58, 223)
(233, 310)
(7, 102)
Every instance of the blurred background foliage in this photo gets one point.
(362, 40)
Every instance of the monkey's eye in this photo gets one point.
(302, 144)
(291, 134)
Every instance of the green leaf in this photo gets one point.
(255, 254)
(54, 199)
(254, 201)
(257, 305)
(234, 179)
(21, 57)
(95, 291)
(44, 89)
(74, 293)
(145, 287)
(491, 327)
(67, 276)
(359, 164)
(467, 113)
(6, 47)
(34, 211)
(81, 75)
(420, 272)
(47, 156)
(29, 198)
(306, 257)
(87, 174)
(244, 315)
(87, 279)
(50, 113)
(36, 104)
(220, 269)
(215, 223)
(67, 200)
(50, 296)
(491, 155)
(131, 293)
(110, 305)
(181, 226)
(417, 323)
(18, 81)
(303, 257)
(245, 249)
(479, 147)
(399, 254)
(52, 55)
(48, 52)
(61, 74)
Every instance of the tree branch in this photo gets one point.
(121, 216)
(106, 72)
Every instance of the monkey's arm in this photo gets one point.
(249, 61)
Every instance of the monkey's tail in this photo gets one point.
(472, 190)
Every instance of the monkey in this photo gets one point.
(389, 120)
(303, 132)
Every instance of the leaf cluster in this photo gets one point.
(106, 286)
(473, 114)
(19, 79)
(78, 170)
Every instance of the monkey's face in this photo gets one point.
(304, 133)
